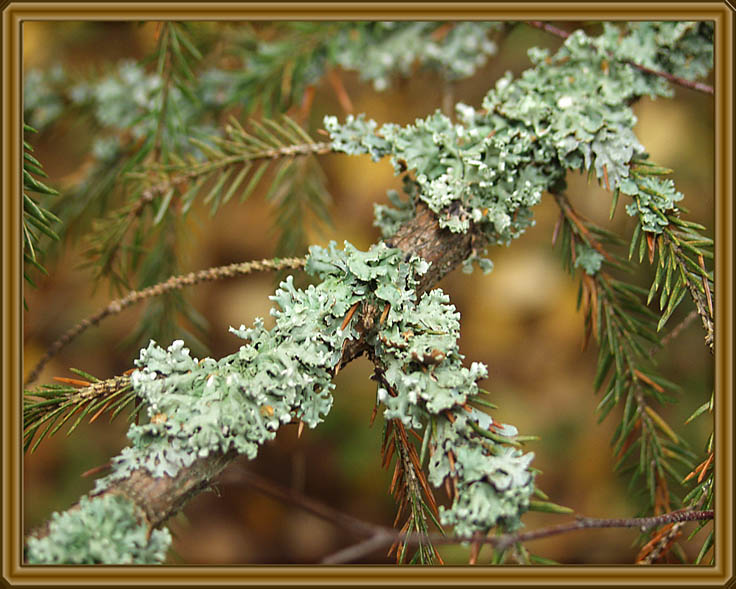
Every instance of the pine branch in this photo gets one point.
(411, 491)
(36, 217)
(57, 403)
(698, 286)
(678, 246)
(179, 180)
(275, 72)
(621, 324)
(238, 150)
(141, 236)
(173, 283)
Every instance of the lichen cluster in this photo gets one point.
(484, 171)
(568, 112)
(283, 375)
(381, 50)
(424, 384)
(102, 530)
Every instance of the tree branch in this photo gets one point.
(583, 523)
(173, 283)
(239, 475)
(161, 497)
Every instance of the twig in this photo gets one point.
(582, 523)
(699, 86)
(357, 551)
(538, 24)
(675, 330)
(173, 283)
(385, 535)
(243, 476)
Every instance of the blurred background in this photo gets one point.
(521, 321)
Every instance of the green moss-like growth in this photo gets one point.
(197, 407)
(103, 530)
(424, 382)
(568, 112)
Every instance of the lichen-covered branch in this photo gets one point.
(203, 413)
(470, 184)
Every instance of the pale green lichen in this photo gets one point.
(424, 382)
(652, 197)
(462, 173)
(389, 218)
(198, 407)
(103, 530)
(490, 168)
(587, 258)
(568, 112)
(381, 50)
(681, 48)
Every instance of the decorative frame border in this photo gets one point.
(15, 573)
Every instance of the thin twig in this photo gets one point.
(357, 551)
(384, 536)
(147, 196)
(699, 86)
(675, 330)
(242, 476)
(538, 24)
(173, 283)
(583, 523)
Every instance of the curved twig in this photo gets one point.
(173, 283)
(383, 536)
